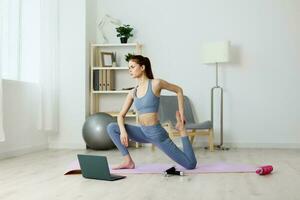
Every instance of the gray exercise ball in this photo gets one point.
(94, 131)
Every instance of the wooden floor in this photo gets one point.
(39, 176)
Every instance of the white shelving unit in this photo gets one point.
(95, 95)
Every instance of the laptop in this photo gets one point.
(96, 167)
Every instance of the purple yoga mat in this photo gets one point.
(159, 168)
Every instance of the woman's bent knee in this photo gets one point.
(111, 127)
(191, 165)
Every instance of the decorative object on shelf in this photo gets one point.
(128, 56)
(107, 59)
(217, 52)
(124, 32)
(107, 19)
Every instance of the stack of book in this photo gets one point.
(103, 79)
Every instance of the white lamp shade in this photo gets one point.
(215, 52)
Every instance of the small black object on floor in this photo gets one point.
(173, 171)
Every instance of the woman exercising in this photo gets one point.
(145, 97)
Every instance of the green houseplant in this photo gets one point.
(128, 56)
(124, 32)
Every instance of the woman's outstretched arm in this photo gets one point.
(178, 90)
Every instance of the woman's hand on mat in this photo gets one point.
(124, 139)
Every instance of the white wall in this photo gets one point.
(20, 115)
(261, 106)
(72, 72)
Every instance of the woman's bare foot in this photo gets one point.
(180, 125)
(127, 164)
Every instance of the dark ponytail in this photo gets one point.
(141, 60)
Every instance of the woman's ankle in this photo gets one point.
(128, 159)
(183, 133)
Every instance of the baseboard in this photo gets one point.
(245, 145)
(64, 145)
(23, 150)
(264, 145)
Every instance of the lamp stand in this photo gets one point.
(213, 89)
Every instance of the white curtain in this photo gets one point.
(48, 115)
(2, 135)
(11, 36)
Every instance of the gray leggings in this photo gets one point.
(158, 136)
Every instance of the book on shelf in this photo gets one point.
(110, 84)
(104, 79)
(100, 80)
(96, 85)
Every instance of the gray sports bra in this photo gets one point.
(148, 103)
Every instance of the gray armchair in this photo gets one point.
(167, 116)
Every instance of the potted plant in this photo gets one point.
(128, 56)
(124, 32)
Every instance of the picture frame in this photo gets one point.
(107, 59)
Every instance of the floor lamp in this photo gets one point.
(215, 53)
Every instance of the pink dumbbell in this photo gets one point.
(264, 170)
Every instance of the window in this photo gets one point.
(20, 42)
